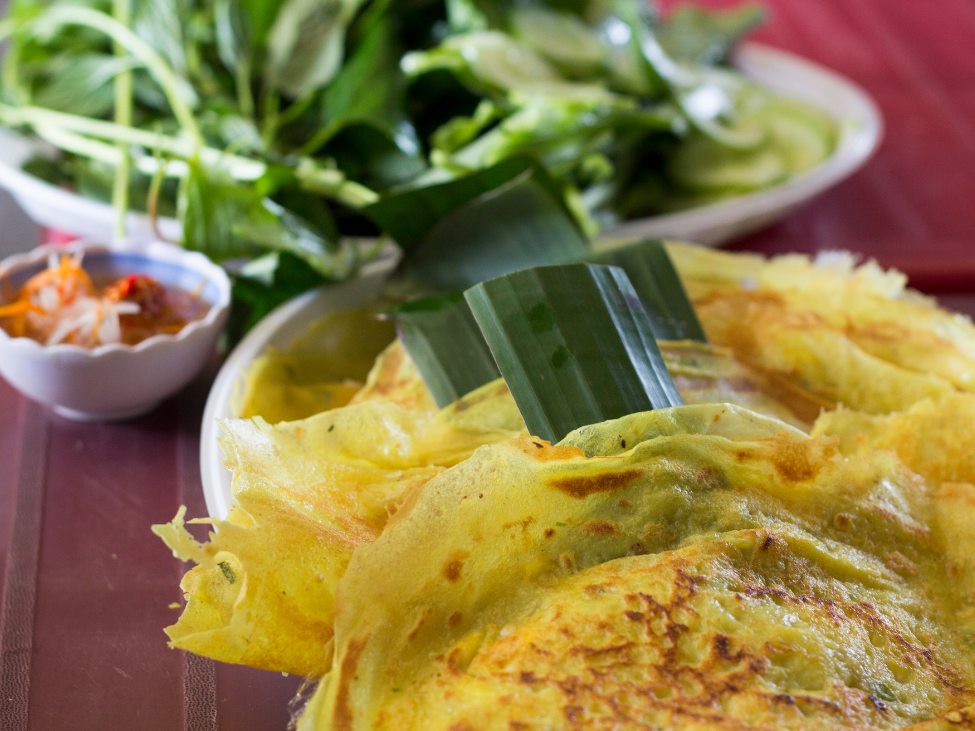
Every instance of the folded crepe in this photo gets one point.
(692, 568)
(851, 335)
(309, 492)
(792, 338)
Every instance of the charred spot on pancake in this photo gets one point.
(711, 478)
(418, 626)
(453, 567)
(522, 523)
(455, 619)
(600, 528)
(585, 485)
(897, 561)
(795, 460)
(350, 661)
(549, 532)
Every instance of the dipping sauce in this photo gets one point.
(62, 305)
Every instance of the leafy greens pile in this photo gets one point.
(277, 129)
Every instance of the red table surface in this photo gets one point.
(86, 586)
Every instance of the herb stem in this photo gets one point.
(318, 139)
(160, 70)
(11, 62)
(242, 81)
(295, 109)
(334, 184)
(122, 12)
(240, 168)
(272, 103)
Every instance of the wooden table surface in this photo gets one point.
(85, 587)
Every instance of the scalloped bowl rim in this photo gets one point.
(158, 251)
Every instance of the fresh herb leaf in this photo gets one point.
(697, 35)
(522, 223)
(82, 84)
(235, 46)
(370, 89)
(227, 571)
(212, 208)
(409, 215)
(306, 44)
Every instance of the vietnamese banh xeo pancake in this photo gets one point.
(699, 567)
(308, 492)
(852, 335)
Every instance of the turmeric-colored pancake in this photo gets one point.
(851, 335)
(791, 338)
(933, 438)
(691, 568)
(307, 493)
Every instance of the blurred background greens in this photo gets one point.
(285, 134)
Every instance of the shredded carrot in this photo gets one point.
(61, 305)
(18, 308)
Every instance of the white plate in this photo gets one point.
(860, 123)
(278, 329)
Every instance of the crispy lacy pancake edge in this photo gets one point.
(851, 334)
(933, 437)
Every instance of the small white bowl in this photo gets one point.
(117, 381)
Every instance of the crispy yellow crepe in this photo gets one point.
(852, 335)
(793, 339)
(307, 494)
(700, 567)
(936, 439)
